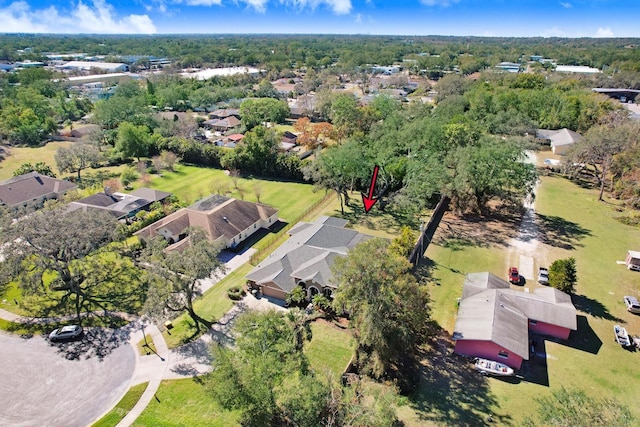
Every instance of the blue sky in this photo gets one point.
(564, 18)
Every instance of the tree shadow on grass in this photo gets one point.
(558, 232)
(494, 228)
(451, 391)
(594, 308)
(376, 219)
(426, 268)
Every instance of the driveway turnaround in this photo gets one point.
(67, 384)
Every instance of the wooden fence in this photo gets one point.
(427, 233)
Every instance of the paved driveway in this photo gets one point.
(67, 384)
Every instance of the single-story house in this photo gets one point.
(32, 187)
(222, 125)
(494, 320)
(229, 141)
(633, 260)
(510, 67)
(120, 205)
(560, 140)
(223, 113)
(222, 218)
(305, 259)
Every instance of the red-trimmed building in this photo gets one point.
(494, 321)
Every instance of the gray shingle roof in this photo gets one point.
(560, 136)
(308, 254)
(150, 194)
(491, 311)
(32, 186)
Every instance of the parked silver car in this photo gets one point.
(632, 304)
(66, 333)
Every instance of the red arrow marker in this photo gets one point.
(369, 201)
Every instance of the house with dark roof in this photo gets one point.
(223, 219)
(494, 321)
(223, 113)
(120, 205)
(305, 259)
(289, 138)
(31, 188)
(560, 140)
(222, 125)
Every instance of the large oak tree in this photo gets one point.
(60, 257)
(177, 275)
(388, 307)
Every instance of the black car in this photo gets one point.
(66, 333)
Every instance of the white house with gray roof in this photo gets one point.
(560, 140)
(305, 259)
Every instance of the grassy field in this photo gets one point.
(573, 223)
(324, 337)
(20, 155)
(191, 183)
(123, 407)
(185, 403)
(385, 224)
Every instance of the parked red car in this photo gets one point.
(514, 275)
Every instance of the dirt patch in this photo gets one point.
(495, 228)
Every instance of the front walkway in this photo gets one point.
(187, 361)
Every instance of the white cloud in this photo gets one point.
(258, 5)
(203, 2)
(443, 3)
(566, 4)
(98, 18)
(339, 7)
(358, 18)
(554, 32)
(604, 32)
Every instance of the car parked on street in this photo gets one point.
(66, 333)
(543, 276)
(514, 275)
(633, 306)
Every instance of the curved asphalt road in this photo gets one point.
(68, 384)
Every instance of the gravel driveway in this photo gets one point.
(67, 384)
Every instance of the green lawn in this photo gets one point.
(330, 349)
(386, 224)
(185, 403)
(20, 155)
(212, 305)
(573, 223)
(146, 346)
(123, 407)
(190, 183)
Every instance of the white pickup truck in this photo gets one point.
(543, 276)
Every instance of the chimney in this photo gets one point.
(107, 191)
(225, 219)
